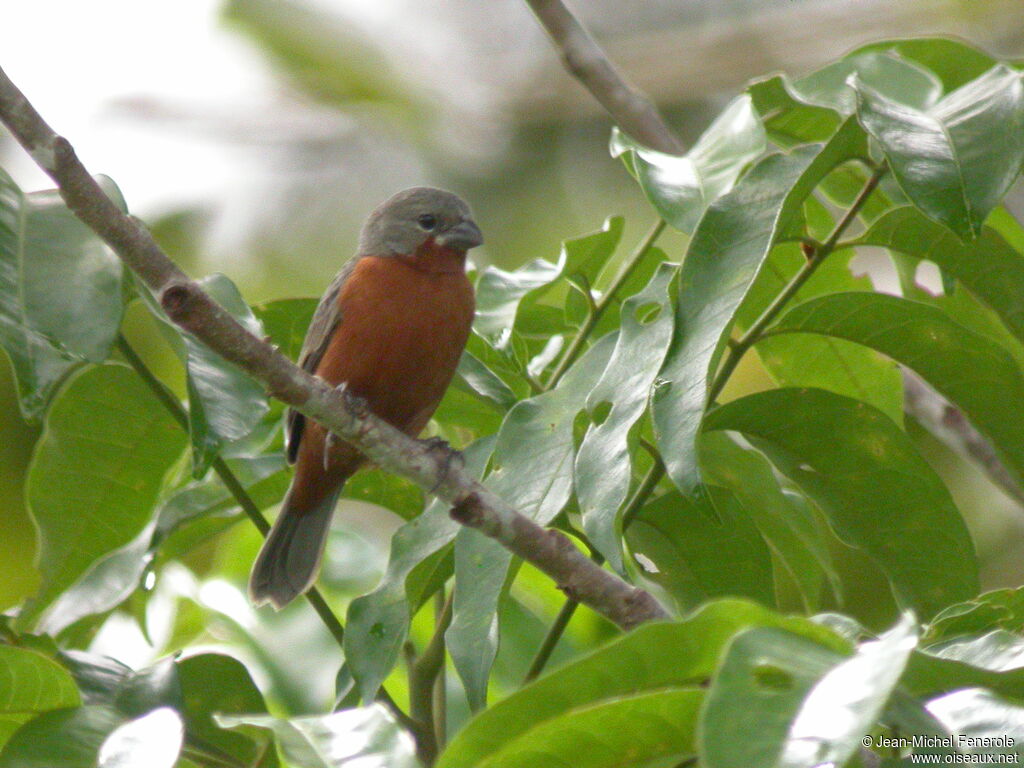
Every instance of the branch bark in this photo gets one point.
(949, 425)
(630, 108)
(196, 312)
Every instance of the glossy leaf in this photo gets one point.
(657, 656)
(31, 682)
(531, 469)
(726, 252)
(968, 369)
(756, 693)
(953, 61)
(845, 703)
(504, 299)
(70, 738)
(701, 548)
(899, 80)
(867, 477)
(958, 158)
(285, 322)
(368, 736)
(96, 473)
(603, 467)
(786, 525)
(71, 280)
(984, 725)
(624, 731)
(788, 120)
(153, 740)
(378, 623)
(988, 266)
(225, 404)
(681, 188)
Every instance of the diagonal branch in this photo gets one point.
(631, 110)
(194, 311)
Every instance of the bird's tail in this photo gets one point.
(290, 558)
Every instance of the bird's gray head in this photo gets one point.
(416, 217)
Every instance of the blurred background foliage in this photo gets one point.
(255, 135)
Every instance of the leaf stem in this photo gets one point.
(557, 629)
(422, 674)
(251, 509)
(755, 332)
(579, 341)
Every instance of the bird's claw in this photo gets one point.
(330, 440)
(355, 404)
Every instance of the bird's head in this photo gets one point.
(422, 223)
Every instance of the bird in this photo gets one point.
(390, 330)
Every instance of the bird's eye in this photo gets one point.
(427, 221)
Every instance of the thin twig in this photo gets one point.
(580, 339)
(557, 629)
(193, 310)
(949, 425)
(755, 331)
(423, 673)
(631, 110)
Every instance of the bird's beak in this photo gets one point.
(463, 236)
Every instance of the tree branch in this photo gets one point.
(631, 110)
(193, 310)
(949, 425)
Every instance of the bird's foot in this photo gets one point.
(448, 456)
(330, 441)
(354, 404)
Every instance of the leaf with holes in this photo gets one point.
(727, 251)
(653, 657)
(988, 265)
(603, 467)
(378, 623)
(531, 469)
(701, 548)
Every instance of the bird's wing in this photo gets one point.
(321, 329)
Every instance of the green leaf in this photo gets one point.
(953, 61)
(69, 738)
(365, 736)
(845, 704)
(998, 609)
(984, 724)
(153, 740)
(506, 301)
(877, 491)
(532, 469)
(31, 682)
(786, 525)
(701, 548)
(788, 120)
(988, 266)
(957, 159)
(603, 467)
(681, 188)
(899, 80)
(726, 252)
(285, 321)
(655, 656)
(755, 695)
(96, 473)
(60, 290)
(968, 369)
(378, 623)
(225, 404)
(625, 731)
(212, 683)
